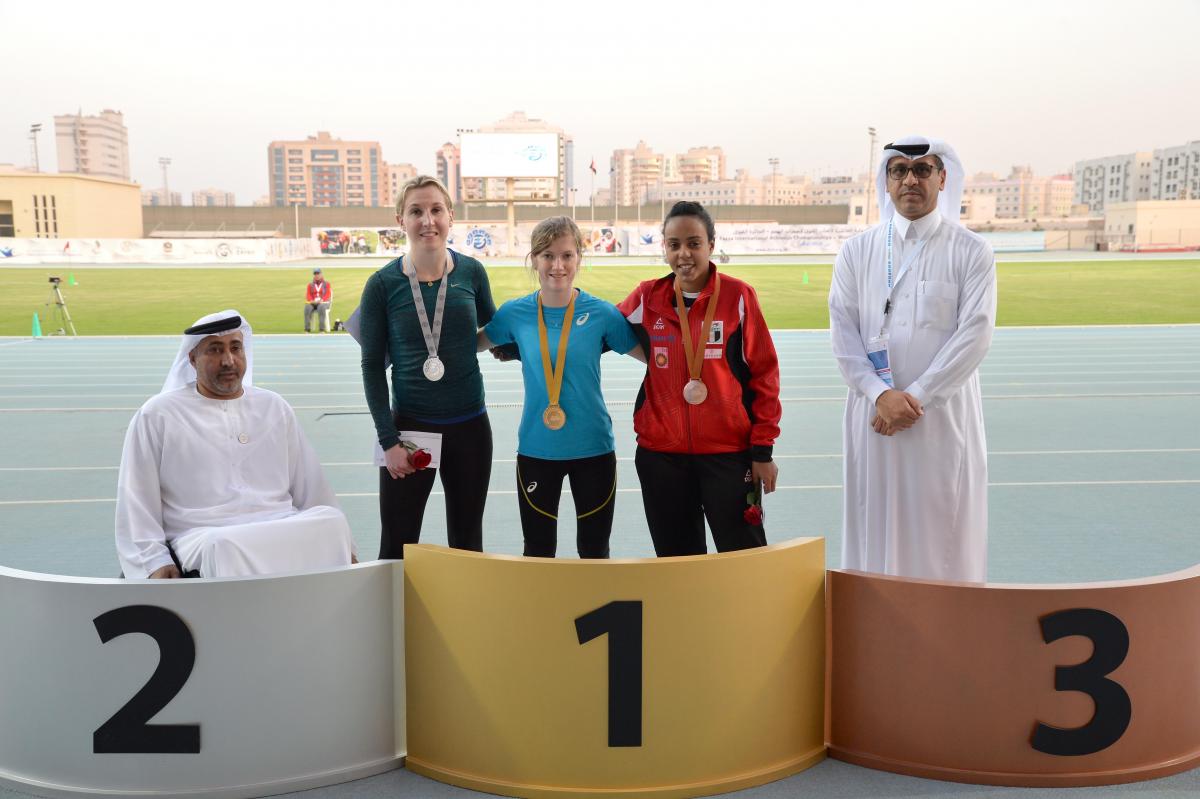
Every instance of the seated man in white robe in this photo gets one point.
(221, 471)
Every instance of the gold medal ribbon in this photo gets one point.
(695, 357)
(554, 376)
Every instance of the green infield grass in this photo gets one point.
(133, 301)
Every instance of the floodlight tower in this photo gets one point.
(870, 171)
(164, 163)
(34, 130)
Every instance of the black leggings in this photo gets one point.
(593, 487)
(680, 491)
(466, 468)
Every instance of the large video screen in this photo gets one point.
(510, 155)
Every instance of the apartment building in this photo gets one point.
(1022, 195)
(1113, 179)
(324, 171)
(213, 198)
(93, 145)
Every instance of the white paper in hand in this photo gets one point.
(423, 440)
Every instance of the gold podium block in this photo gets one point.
(672, 677)
(1024, 685)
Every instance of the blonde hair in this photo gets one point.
(420, 182)
(548, 231)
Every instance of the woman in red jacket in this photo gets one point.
(707, 415)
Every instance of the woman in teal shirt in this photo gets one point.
(436, 383)
(565, 427)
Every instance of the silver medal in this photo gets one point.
(433, 368)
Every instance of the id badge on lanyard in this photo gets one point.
(877, 351)
(877, 346)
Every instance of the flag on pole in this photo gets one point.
(593, 166)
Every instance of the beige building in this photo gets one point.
(158, 197)
(449, 159)
(212, 198)
(555, 191)
(634, 172)
(324, 171)
(700, 165)
(395, 176)
(93, 145)
(1022, 195)
(1153, 224)
(58, 206)
(839, 189)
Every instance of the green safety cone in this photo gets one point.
(804, 279)
(37, 327)
(71, 280)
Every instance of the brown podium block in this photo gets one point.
(669, 677)
(1025, 685)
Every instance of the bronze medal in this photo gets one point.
(695, 392)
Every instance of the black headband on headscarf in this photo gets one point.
(213, 328)
(911, 150)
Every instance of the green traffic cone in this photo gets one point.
(71, 280)
(804, 279)
(37, 327)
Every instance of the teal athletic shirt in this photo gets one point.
(390, 327)
(588, 430)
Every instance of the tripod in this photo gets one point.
(61, 314)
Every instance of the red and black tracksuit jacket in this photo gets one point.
(740, 369)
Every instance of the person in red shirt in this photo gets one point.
(318, 297)
(708, 411)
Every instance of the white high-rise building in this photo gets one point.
(1175, 173)
(1114, 179)
(93, 145)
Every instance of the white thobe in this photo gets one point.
(233, 485)
(915, 504)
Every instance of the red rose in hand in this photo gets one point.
(420, 459)
(753, 515)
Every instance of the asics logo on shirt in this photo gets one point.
(579, 322)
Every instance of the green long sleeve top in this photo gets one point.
(390, 327)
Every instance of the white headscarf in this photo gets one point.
(182, 372)
(949, 198)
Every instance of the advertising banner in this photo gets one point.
(153, 251)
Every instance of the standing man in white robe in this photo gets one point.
(912, 308)
(222, 472)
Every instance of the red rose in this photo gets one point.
(753, 515)
(418, 458)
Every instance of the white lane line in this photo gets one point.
(778, 457)
(362, 409)
(566, 490)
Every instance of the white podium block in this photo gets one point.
(230, 688)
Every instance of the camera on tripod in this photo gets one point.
(56, 280)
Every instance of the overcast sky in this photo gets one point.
(1042, 83)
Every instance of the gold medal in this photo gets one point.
(695, 392)
(554, 417)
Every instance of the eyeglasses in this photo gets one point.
(900, 171)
